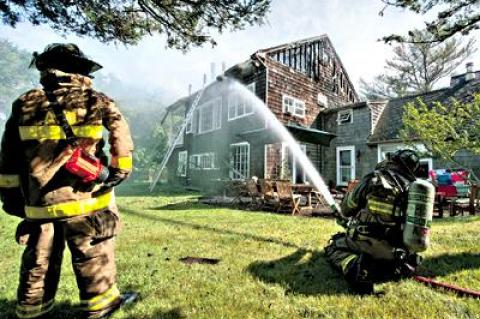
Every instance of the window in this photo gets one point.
(345, 164)
(188, 128)
(240, 105)
(202, 161)
(293, 106)
(240, 161)
(210, 116)
(345, 117)
(182, 163)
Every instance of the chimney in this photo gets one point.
(470, 75)
(204, 79)
(376, 110)
(189, 89)
(224, 67)
(212, 71)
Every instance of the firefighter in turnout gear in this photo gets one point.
(372, 249)
(55, 175)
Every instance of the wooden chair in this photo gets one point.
(251, 190)
(270, 198)
(287, 198)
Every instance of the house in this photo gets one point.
(226, 140)
(308, 90)
(365, 132)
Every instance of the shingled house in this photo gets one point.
(367, 131)
(225, 140)
(307, 88)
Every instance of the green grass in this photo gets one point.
(271, 266)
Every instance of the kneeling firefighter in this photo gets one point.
(387, 218)
(55, 175)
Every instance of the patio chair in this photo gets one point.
(270, 198)
(463, 199)
(286, 197)
(251, 190)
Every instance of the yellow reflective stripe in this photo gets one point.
(55, 132)
(9, 181)
(69, 209)
(122, 162)
(345, 262)
(26, 311)
(378, 207)
(101, 301)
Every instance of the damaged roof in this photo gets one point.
(390, 123)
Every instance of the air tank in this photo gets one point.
(421, 196)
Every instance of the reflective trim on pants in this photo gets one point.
(9, 181)
(27, 311)
(346, 262)
(101, 301)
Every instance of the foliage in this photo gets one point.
(444, 129)
(271, 266)
(417, 67)
(453, 17)
(15, 77)
(184, 22)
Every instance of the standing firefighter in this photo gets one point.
(387, 218)
(54, 175)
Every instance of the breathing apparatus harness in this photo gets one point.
(81, 164)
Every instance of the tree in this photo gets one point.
(15, 77)
(417, 66)
(444, 129)
(185, 22)
(454, 17)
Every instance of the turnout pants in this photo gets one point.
(91, 243)
(375, 258)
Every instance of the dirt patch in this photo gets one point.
(199, 260)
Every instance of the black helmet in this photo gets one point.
(65, 57)
(407, 159)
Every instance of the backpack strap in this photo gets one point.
(62, 120)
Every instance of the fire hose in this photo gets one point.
(464, 292)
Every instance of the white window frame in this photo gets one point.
(197, 162)
(296, 105)
(350, 148)
(216, 105)
(184, 155)
(237, 98)
(247, 164)
(345, 117)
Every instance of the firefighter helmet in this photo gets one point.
(66, 57)
(407, 159)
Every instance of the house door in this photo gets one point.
(297, 172)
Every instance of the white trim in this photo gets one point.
(247, 175)
(216, 118)
(350, 148)
(184, 173)
(198, 160)
(296, 102)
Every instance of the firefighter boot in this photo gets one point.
(125, 299)
(356, 276)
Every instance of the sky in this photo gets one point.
(354, 27)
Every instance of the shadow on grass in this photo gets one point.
(302, 272)
(66, 310)
(449, 263)
(132, 189)
(186, 205)
(206, 228)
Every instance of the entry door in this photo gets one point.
(297, 171)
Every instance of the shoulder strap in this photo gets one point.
(62, 120)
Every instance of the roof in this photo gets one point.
(292, 44)
(390, 122)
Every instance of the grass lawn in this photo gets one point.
(271, 266)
